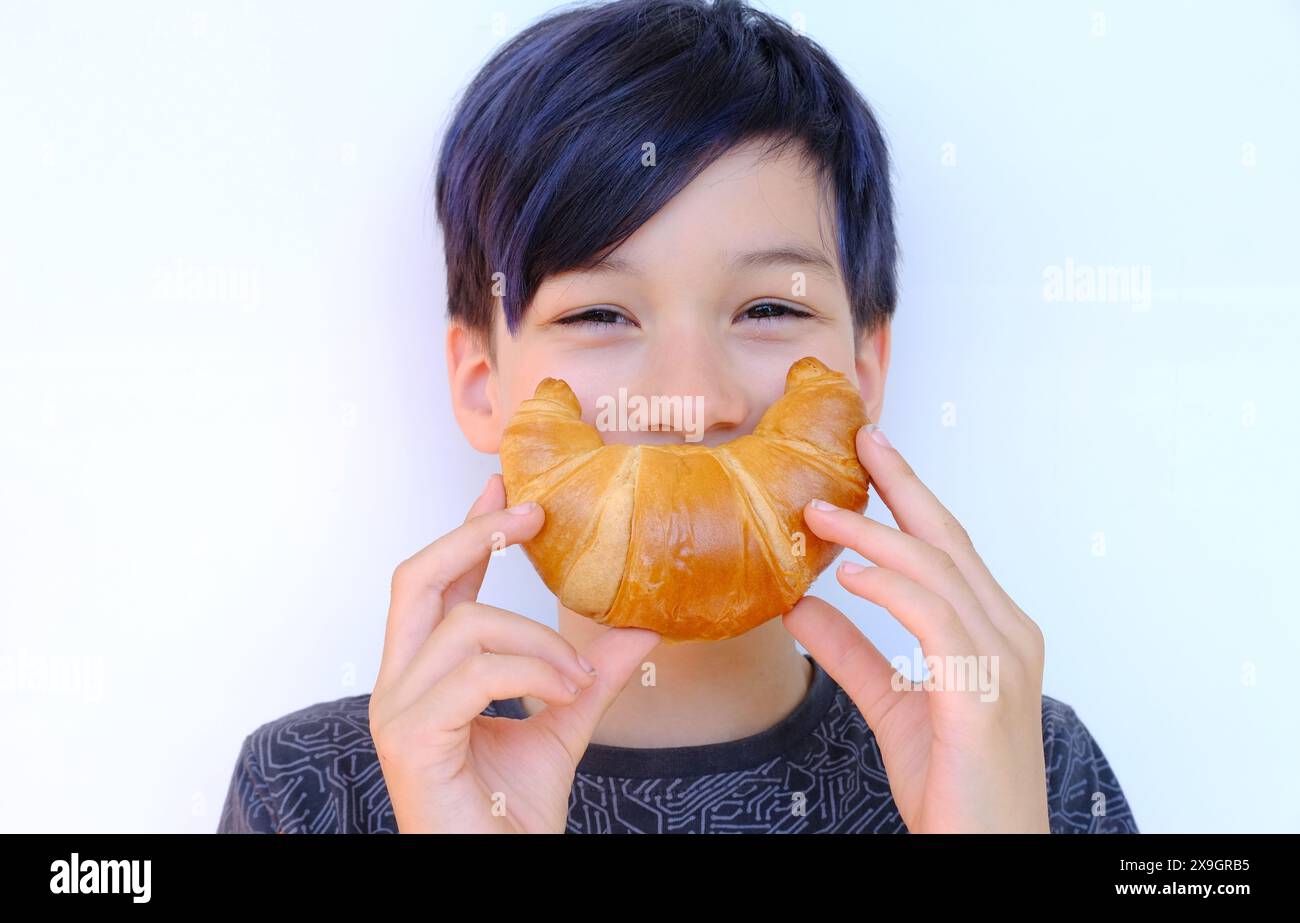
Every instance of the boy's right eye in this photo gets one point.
(599, 317)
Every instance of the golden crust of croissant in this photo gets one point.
(695, 542)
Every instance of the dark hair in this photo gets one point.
(540, 171)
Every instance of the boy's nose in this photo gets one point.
(713, 401)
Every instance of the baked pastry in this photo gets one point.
(695, 542)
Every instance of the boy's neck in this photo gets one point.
(704, 692)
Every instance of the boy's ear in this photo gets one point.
(872, 366)
(473, 385)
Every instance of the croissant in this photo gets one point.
(694, 542)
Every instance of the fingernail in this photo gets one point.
(878, 434)
(522, 509)
(822, 505)
(848, 567)
(569, 684)
(586, 665)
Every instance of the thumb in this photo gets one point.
(616, 655)
(847, 655)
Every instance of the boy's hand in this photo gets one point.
(449, 768)
(956, 763)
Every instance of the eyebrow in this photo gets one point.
(791, 254)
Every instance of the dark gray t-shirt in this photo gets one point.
(817, 771)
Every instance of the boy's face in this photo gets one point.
(683, 312)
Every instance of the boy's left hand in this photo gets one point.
(959, 759)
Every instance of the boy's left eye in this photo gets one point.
(772, 310)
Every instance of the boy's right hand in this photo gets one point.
(449, 768)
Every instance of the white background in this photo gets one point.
(223, 406)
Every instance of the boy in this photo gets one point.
(680, 198)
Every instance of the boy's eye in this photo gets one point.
(771, 311)
(598, 317)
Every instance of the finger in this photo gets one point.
(616, 654)
(472, 628)
(844, 652)
(466, 586)
(931, 567)
(918, 512)
(927, 615)
(416, 606)
(466, 691)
